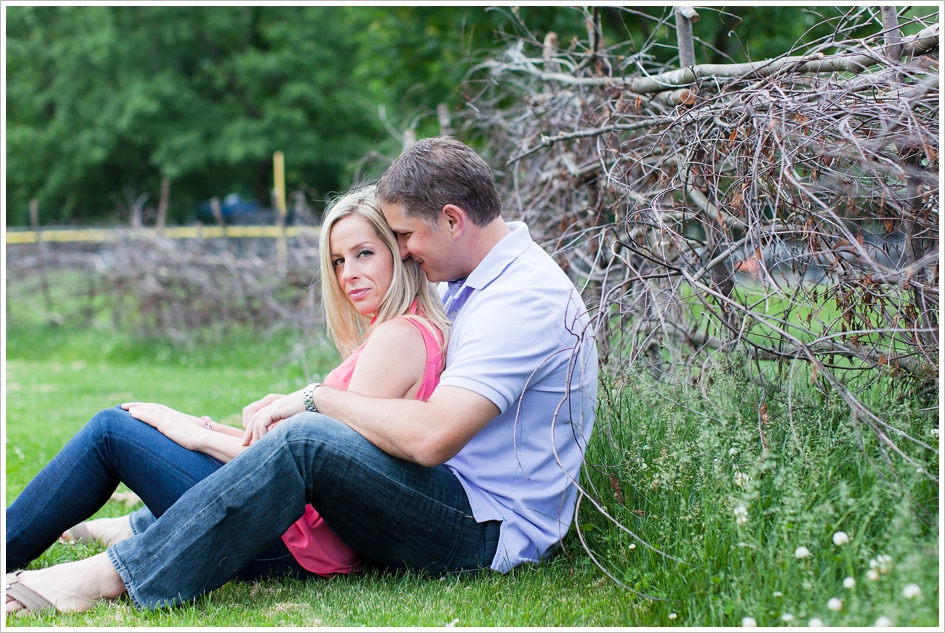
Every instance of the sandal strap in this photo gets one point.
(80, 533)
(26, 596)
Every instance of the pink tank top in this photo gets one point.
(313, 544)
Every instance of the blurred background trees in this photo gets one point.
(105, 101)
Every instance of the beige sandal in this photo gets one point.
(33, 602)
(80, 534)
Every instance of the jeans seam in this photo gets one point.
(395, 481)
(445, 565)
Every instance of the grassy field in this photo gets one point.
(728, 482)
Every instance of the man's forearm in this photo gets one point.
(427, 433)
(397, 427)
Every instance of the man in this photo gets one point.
(481, 475)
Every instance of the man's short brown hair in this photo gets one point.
(438, 171)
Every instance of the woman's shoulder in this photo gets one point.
(398, 332)
(397, 341)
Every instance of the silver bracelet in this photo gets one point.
(307, 397)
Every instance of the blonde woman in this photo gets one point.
(385, 319)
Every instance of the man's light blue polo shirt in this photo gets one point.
(519, 336)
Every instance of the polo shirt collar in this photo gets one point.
(501, 255)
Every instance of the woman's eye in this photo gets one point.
(365, 253)
(337, 262)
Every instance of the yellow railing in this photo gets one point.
(171, 232)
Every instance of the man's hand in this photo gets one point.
(184, 429)
(275, 409)
(250, 410)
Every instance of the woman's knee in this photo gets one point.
(115, 422)
(108, 419)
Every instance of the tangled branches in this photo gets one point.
(787, 208)
(181, 289)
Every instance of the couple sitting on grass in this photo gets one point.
(449, 440)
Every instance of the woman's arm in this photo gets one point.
(391, 366)
(190, 432)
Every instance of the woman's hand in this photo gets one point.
(275, 410)
(184, 429)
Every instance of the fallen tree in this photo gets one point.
(787, 209)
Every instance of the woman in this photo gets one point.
(382, 315)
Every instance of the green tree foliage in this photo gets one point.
(105, 101)
(101, 98)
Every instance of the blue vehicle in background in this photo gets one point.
(238, 210)
(232, 207)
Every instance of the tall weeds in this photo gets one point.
(699, 494)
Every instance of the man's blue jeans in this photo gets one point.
(396, 513)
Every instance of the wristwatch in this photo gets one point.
(307, 397)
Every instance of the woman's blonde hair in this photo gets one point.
(346, 327)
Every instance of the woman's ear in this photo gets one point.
(454, 218)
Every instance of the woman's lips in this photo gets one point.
(358, 293)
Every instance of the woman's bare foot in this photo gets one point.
(72, 587)
(107, 531)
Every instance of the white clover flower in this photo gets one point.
(643, 466)
(672, 616)
(741, 479)
(787, 617)
(883, 621)
(883, 562)
(911, 591)
(801, 552)
(741, 515)
(749, 622)
(872, 575)
(834, 604)
(849, 582)
(873, 563)
(777, 594)
(732, 451)
(815, 623)
(840, 538)
(934, 432)
(632, 546)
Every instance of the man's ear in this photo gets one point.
(454, 218)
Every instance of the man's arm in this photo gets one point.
(428, 433)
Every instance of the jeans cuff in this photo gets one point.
(125, 577)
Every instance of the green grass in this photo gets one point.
(669, 462)
(683, 462)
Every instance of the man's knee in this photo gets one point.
(313, 428)
(319, 442)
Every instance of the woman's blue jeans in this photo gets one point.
(115, 447)
(216, 522)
